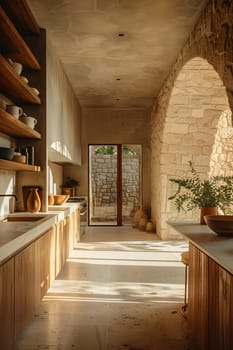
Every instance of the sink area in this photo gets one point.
(22, 218)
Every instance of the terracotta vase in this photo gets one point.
(33, 201)
(207, 211)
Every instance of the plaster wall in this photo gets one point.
(63, 113)
(103, 126)
(212, 40)
(55, 178)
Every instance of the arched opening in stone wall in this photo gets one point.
(197, 128)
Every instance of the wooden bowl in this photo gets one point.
(60, 198)
(220, 224)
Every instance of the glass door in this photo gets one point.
(102, 185)
(114, 183)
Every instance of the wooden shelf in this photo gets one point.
(13, 87)
(21, 15)
(13, 45)
(16, 166)
(12, 126)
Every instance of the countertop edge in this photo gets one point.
(218, 248)
(52, 217)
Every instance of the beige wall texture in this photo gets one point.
(105, 126)
(188, 114)
(63, 114)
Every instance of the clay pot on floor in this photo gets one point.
(140, 214)
(149, 226)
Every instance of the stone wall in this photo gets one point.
(185, 115)
(104, 185)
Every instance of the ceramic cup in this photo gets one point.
(18, 67)
(29, 121)
(14, 110)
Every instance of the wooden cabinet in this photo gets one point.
(52, 253)
(210, 302)
(43, 246)
(74, 228)
(14, 127)
(25, 279)
(27, 289)
(62, 243)
(12, 45)
(7, 305)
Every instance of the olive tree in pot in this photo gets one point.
(69, 186)
(210, 195)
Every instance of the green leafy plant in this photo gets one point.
(70, 183)
(109, 149)
(194, 192)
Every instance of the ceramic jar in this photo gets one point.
(33, 201)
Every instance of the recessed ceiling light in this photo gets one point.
(120, 35)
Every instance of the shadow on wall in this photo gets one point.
(55, 178)
(7, 186)
(62, 150)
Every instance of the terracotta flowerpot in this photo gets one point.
(207, 211)
(69, 190)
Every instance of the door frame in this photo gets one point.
(119, 182)
(119, 179)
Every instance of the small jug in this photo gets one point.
(33, 201)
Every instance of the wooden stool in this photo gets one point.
(185, 261)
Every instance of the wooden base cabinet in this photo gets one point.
(74, 228)
(7, 305)
(25, 279)
(210, 302)
(27, 282)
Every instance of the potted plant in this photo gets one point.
(69, 186)
(213, 193)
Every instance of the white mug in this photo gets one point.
(29, 121)
(14, 110)
(18, 67)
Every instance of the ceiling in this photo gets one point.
(117, 53)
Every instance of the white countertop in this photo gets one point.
(16, 235)
(219, 248)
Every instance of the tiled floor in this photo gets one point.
(121, 289)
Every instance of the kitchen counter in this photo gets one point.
(15, 235)
(219, 248)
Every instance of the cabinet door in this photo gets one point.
(60, 255)
(65, 247)
(43, 247)
(78, 224)
(225, 308)
(198, 296)
(52, 254)
(27, 291)
(71, 230)
(213, 313)
(7, 305)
